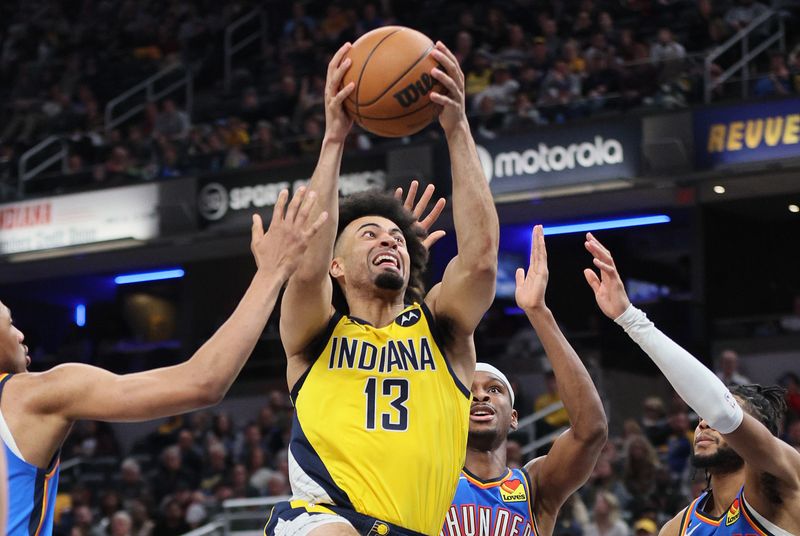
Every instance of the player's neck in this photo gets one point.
(379, 311)
(725, 487)
(487, 464)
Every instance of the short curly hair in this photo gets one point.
(374, 203)
(766, 404)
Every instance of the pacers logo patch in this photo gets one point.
(379, 529)
(513, 491)
(733, 513)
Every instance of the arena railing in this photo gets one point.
(240, 517)
(743, 38)
(176, 77)
(235, 42)
(39, 158)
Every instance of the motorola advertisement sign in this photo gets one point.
(225, 200)
(556, 157)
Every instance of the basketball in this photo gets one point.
(391, 70)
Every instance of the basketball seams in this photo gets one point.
(406, 114)
(364, 68)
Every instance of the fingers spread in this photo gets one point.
(412, 194)
(592, 279)
(280, 204)
(305, 208)
(434, 214)
(424, 200)
(295, 203)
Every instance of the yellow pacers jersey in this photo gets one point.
(381, 422)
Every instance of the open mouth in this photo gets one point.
(385, 260)
(481, 413)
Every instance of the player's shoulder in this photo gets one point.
(673, 526)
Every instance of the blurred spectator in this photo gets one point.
(191, 453)
(679, 443)
(559, 418)
(573, 517)
(132, 485)
(791, 382)
(277, 485)
(216, 468)
(171, 474)
(645, 527)
(666, 48)
(298, 17)
(641, 462)
(742, 14)
(110, 504)
(479, 74)
(171, 521)
(142, 525)
(601, 83)
(560, 90)
(171, 123)
(728, 370)
(259, 472)
(239, 483)
(777, 82)
(606, 517)
(121, 524)
(502, 90)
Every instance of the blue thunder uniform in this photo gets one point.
(31, 491)
(739, 520)
(500, 507)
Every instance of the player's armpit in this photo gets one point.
(765, 453)
(565, 468)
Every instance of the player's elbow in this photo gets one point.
(208, 393)
(593, 434)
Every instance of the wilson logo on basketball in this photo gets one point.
(413, 92)
(513, 491)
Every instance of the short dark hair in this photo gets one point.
(767, 404)
(381, 204)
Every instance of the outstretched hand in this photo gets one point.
(453, 99)
(417, 210)
(609, 290)
(531, 286)
(280, 249)
(337, 122)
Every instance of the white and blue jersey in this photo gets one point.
(739, 520)
(498, 507)
(31, 490)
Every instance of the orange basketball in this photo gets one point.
(392, 72)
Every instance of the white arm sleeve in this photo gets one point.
(698, 386)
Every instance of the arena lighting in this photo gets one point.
(599, 225)
(80, 315)
(719, 189)
(143, 277)
(794, 208)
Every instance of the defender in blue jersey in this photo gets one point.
(754, 477)
(37, 410)
(493, 500)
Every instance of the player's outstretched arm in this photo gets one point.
(573, 455)
(306, 304)
(467, 287)
(76, 391)
(695, 383)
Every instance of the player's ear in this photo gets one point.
(336, 270)
(514, 421)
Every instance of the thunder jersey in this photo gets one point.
(381, 421)
(739, 520)
(31, 490)
(500, 507)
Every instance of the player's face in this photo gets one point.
(491, 411)
(712, 452)
(373, 252)
(13, 354)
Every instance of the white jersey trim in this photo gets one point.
(8, 439)
(774, 529)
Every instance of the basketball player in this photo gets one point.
(37, 410)
(378, 380)
(754, 483)
(492, 499)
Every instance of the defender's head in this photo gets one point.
(13, 353)
(765, 404)
(492, 414)
(378, 248)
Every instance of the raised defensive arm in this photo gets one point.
(574, 454)
(77, 391)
